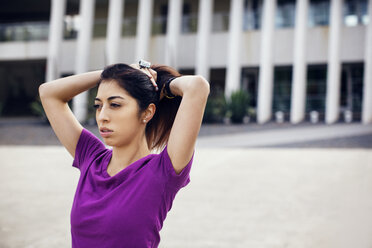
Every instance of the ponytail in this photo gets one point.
(158, 129)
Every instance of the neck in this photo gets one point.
(125, 155)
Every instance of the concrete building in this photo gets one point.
(299, 60)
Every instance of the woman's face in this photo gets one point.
(117, 115)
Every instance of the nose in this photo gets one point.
(102, 115)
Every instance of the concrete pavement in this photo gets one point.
(239, 197)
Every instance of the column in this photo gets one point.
(204, 32)
(265, 86)
(82, 54)
(55, 38)
(115, 17)
(143, 29)
(234, 49)
(298, 99)
(173, 31)
(367, 90)
(334, 65)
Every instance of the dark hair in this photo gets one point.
(139, 86)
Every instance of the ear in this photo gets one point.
(148, 113)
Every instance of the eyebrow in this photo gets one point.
(110, 98)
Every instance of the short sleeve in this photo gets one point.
(87, 148)
(175, 180)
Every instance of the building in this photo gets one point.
(298, 59)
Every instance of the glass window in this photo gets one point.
(319, 13)
(100, 18)
(285, 13)
(25, 31)
(252, 14)
(282, 90)
(355, 12)
(220, 22)
(352, 89)
(217, 81)
(129, 25)
(316, 89)
(250, 85)
(159, 19)
(19, 86)
(189, 17)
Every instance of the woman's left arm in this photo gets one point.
(194, 91)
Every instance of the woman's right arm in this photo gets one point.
(55, 95)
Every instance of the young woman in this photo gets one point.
(124, 193)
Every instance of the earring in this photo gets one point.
(144, 121)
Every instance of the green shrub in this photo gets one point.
(238, 105)
(215, 109)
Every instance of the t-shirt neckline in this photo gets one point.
(109, 156)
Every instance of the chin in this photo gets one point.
(114, 143)
(108, 142)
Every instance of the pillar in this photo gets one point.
(173, 32)
(334, 65)
(298, 98)
(265, 86)
(58, 8)
(234, 47)
(82, 54)
(367, 90)
(203, 37)
(115, 17)
(143, 29)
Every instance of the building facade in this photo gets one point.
(299, 60)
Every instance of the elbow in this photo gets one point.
(202, 86)
(42, 91)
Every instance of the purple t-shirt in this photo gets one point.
(127, 209)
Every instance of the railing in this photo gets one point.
(27, 31)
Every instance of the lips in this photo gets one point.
(105, 132)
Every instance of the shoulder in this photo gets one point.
(163, 167)
(87, 148)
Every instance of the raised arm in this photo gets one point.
(55, 95)
(194, 91)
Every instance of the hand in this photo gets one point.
(152, 74)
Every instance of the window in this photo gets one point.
(159, 20)
(189, 17)
(355, 12)
(250, 85)
(352, 89)
(285, 13)
(129, 23)
(217, 81)
(252, 14)
(282, 90)
(316, 89)
(220, 22)
(319, 13)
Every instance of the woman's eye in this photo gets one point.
(96, 106)
(114, 105)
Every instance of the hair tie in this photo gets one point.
(167, 92)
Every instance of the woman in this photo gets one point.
(124, 193)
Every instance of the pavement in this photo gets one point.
(31, 131)
(263, 186)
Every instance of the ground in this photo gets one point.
(251, 186)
